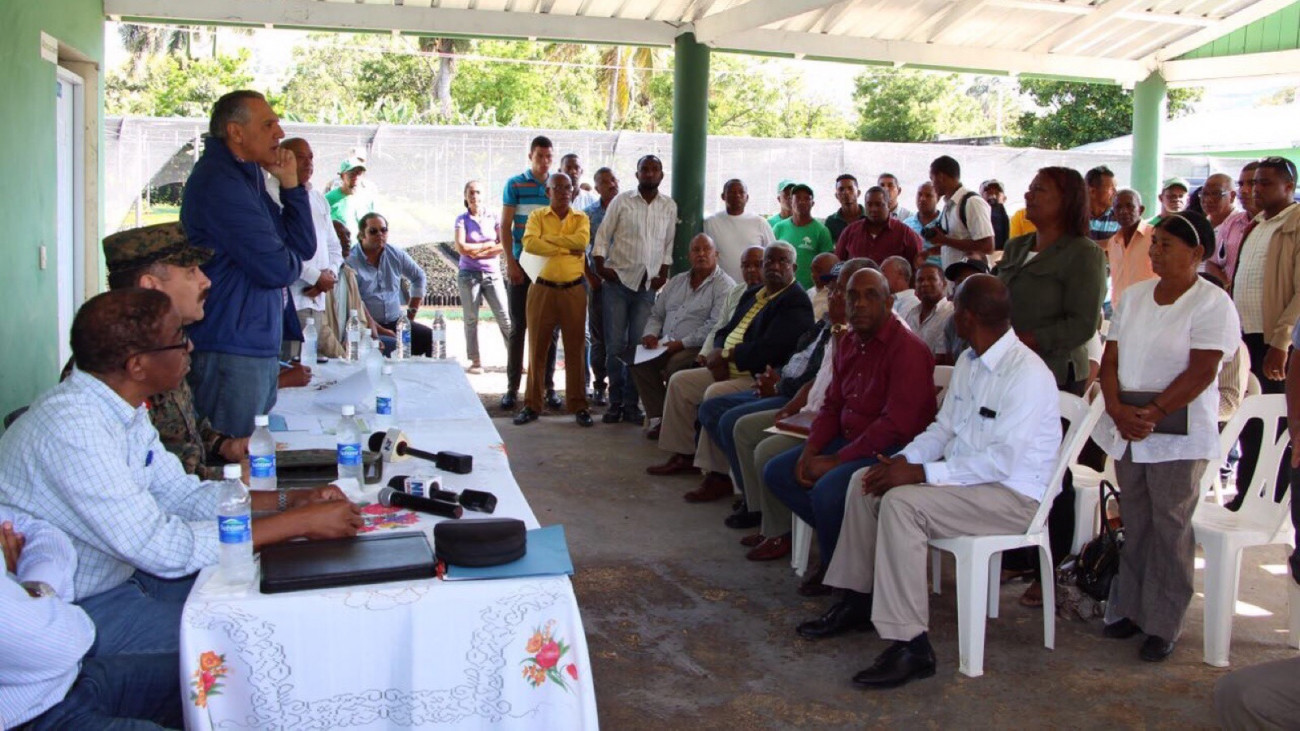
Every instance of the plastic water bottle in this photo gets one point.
(373, 359)
(348, 438)
(235, 525)
(309, 338)
(439, 336)
(353, 333)
(261, 455)
(386, 399)
(403, 333)
(364, 346)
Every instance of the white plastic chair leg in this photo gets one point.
(995, 583)
(1222, 569)
(1047, 577)
(801, 545)
(936, 570)
(1085, 517)
(972, 580)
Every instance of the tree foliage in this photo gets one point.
(905, 105)
(175, 86)
(1077, 113)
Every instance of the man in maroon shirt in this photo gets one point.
(881, 396)
(877, 236)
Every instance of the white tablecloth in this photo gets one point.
(507, 654)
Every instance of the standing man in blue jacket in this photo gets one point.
(258, 251)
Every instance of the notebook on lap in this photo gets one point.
(369, 559)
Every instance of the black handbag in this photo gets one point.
(1098, 561)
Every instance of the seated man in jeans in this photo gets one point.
(86, 459)
(45, 677)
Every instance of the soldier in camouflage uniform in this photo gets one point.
(160, 257)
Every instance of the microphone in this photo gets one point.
(431, 487)
(392, 446)
(388, 497)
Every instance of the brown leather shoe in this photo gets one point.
(812, 585)
(752, 540)
(714, 487)
(676, 465)
(771, 549)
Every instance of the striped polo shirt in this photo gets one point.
(526, 193)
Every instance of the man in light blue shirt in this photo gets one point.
(380, 269)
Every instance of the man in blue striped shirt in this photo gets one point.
(524, 193)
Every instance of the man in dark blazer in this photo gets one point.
(762, 332)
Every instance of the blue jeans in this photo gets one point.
(595, 337)
(475, 287)
(822, 507)
(140, 616)
(231, 389)
(718, 416)
(626, 313)
(121, 693)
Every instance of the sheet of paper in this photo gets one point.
(532, 264)
(643, 353)
(355, 390)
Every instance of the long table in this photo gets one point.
(508, 653)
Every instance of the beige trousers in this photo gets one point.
(883, 543)
(651, 378)
(754, 449)
(686, 389)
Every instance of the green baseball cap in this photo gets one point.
(802, 186)
(352, 163)
(1175, 181)
(785, 183)
(161, 242)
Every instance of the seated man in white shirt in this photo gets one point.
(981, 468)
(86, 458)
(929, 316)
(898, 272)
(822, 264)
(45, 679)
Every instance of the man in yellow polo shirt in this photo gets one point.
(560, 234)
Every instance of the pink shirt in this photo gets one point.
(1227, 242)
(1129, 264)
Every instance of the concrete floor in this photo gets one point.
(683, 630)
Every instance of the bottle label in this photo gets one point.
(406, 337)
(261, 465)
(235, 528)
(350, 454)
(384, 405)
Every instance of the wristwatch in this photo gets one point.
(39, 589)
(282, 501)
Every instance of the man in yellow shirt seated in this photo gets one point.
(560, 234)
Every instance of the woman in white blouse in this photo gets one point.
(1164, 349)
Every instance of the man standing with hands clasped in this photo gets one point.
(632, 253)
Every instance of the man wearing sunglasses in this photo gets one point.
(85, 459)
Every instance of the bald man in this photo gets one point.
(319, 273)
(821, 266)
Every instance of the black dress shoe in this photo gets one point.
(634, 416)
(524, 416)
(1121, 630)
(583, 418)
(744, 519)
(900, 663)
(852, 614)
(509, 400)
(553, 399)
(613, 416)
(1156, 649)
(598, 396)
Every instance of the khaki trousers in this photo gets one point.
(327, 344)
(651, 378)
(547, 307)
(754, 449)
(1259, 697)
(686, 389)
(883, 543)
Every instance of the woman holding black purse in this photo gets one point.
(1167, 341)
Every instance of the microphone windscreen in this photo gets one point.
(386, 496)
(377, 441)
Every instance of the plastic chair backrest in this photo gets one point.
(1252, 385)
(1258, 503)
(942, 377)
(1082, 418)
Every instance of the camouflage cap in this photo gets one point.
(163, 242)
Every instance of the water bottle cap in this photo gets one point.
(231, 472)
(387, 370)
(262, 420)
(352, 312)
(349, 410)
(311, 321)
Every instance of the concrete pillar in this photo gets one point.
(690, 141)
(1149, 105)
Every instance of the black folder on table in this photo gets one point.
(369, 559)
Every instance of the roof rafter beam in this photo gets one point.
(1077, 29)
(1211, 33)
(380, 18)
(753, 14)
(1198, 20)
(937, 55)
(1192, 71)
(956, 14)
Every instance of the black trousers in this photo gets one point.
(517, 294)
(421, 337)
(1253, 433)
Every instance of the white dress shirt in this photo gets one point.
(1248, 287)
(979, 223)
(822, 381)
(932, 329)
(636, 238)
(686, 314)
(329, 255)
(1000, 422)
(1155, 344)
(85, 461)
(904, 301)
(43, 639)
(732, 235)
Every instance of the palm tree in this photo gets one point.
(626, 77)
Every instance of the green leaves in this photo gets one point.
(1077, 113)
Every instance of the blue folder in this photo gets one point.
(548, 555)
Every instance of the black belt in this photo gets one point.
(559, 285)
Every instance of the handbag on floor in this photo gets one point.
(1098, 561)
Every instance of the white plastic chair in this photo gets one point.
(800, 544)
(979, 558)
(1086, 483)
(942, 377)
(1261, 521)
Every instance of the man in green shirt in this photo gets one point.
(807, 235)
(783, 200)
(350, 200)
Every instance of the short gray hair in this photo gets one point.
(794, 255)
(1136, 195)
(231, 107)
(903, 265)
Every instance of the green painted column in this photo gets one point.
(690, 141)
(1149, 106)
